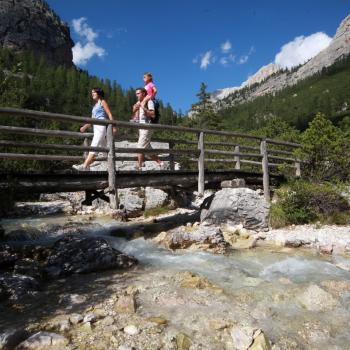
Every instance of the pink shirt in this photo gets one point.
(149, 88)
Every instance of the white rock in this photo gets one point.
(90, 317)
(131, 330)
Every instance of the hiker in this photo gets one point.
(99, 111)
(146, 114)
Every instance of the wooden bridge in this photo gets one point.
(206, 157)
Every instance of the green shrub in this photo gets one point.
(325, 151)
(302, 202)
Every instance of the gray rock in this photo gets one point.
(75, 318)
(155, 198)
(43, 341)
(11, 338)
(133, 200)
(74, 254)
(15, 286)
(30, 25)
(202, 237)
(236, 206)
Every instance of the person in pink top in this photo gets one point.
(150, 88)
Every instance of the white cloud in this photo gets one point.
(225, 60)
(86, 49)
(206, 60)
(244, 58)
(223, 56)
(82, 53)
(226, 46)
(302, 49)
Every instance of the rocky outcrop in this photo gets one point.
(30, 25)
(82, 255)
(238, 206)
(338, 49)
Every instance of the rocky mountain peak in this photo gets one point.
(31, 25)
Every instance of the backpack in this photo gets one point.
(155, 120)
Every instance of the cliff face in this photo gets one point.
(338, 48)
(30, 25)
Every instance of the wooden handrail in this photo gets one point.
(79, 119)
(201, 147)
(20, 144)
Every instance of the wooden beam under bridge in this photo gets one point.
(69, 181)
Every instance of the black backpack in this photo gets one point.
(155, 120)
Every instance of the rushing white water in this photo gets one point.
(232, 270)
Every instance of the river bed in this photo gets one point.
(298, 297)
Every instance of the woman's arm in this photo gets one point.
(85, 127)
(109, 113)
(107, 110)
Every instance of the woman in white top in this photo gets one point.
(99, 111)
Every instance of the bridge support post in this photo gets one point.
(201, 164)
(171, 156)
(86, 144)
(237, 159)
(112, 186)
(265, 170)
(297, 169)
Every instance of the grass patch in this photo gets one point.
(156, 211)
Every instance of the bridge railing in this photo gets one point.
(200, 147)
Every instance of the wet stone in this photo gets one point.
(126, 304)
(74, 254)
(16, 286)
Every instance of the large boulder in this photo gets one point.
(84, 254)
(238, 206)
(194, 237)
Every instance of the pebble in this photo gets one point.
(131, 330)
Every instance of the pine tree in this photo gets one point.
(203, 113)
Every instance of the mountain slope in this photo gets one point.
(268, 81)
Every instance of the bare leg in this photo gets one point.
(156, 159)
(141, 160)
(90, 158)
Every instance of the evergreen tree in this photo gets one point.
(203, 113)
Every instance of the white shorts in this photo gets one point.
(144, 138)
(99, 139)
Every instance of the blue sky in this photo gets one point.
(186, 42)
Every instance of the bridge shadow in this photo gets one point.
(151, 229)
